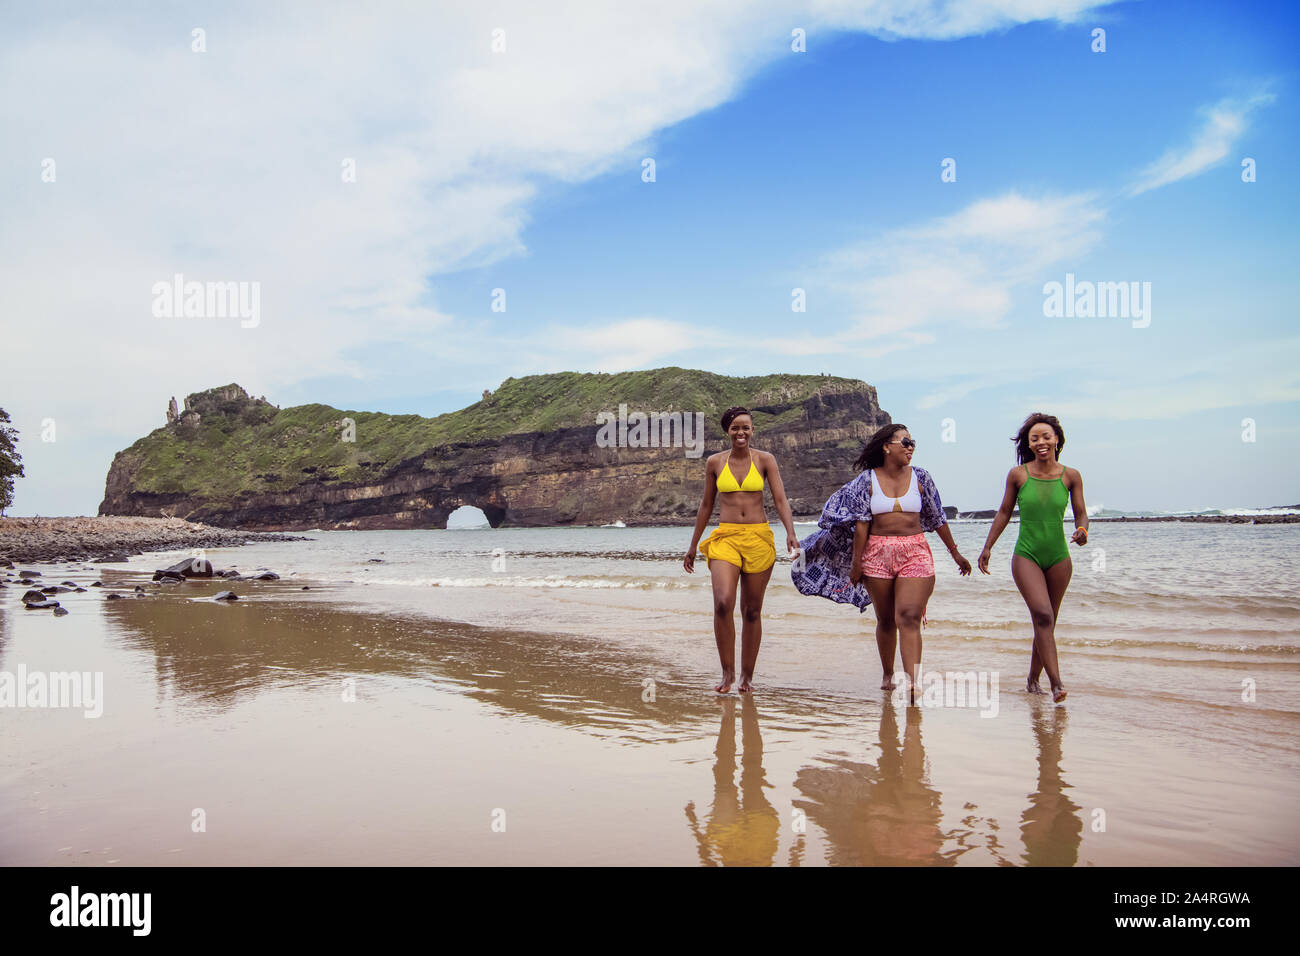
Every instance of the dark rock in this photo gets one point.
(188, 568)
(33, 596)
(39, 605)
(113, 596)
(29, 574)
(114, 558)
(80, 590)
(266, 576)
(139, 589)
(54, 589)
(225, 596)
(375, 560)
(305, 588)
(98, 584)
(60, 611)
(70, 584)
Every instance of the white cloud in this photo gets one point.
(620, 345)
(901, 286)
(1221, 126)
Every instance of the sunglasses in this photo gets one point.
(905, 442)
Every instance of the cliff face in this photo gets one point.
(233, 461)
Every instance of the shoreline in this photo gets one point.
(113, 538)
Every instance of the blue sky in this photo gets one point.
(775, 169)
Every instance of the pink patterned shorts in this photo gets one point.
(897, 556)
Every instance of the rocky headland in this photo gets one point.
(544, 450)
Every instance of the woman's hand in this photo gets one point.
(1080, 536)
(855, 573)
(791, 545)
(962, 564)
(983, 560)
(688, 562)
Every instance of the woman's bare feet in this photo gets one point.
(914, 693)
(1058, 693)
(1031, 687)
(724, 687)
(746, 684)
(887, 682)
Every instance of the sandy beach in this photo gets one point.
(359, 723)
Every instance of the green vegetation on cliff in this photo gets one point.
(226, 443)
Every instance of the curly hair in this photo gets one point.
(873, 453)
(1021, 438)
(731, 413)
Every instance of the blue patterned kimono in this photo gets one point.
(828, 552)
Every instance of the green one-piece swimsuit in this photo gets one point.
(1042, 504)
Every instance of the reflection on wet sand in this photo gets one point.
(217, 655)
(1050, 826)
(213, 657)
(884, 815)
(742, 827)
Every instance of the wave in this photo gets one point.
(595, 582)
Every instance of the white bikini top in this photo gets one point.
(882, 503)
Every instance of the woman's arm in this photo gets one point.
(702, 516)
(1000, 520)
(1077, 507)
(779, 499)
(861, 532)
(945, 535)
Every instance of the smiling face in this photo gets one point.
(896, 451)
(740, 431)
(1043, 442)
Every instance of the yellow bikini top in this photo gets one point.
(727, 481)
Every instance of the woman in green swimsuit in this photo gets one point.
(1041, 565)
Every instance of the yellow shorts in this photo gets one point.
(750, 547)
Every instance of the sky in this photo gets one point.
(921, 170)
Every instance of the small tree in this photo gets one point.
(11, 463)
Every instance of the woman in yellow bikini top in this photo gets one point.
(741, 550)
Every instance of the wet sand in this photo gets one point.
(472, 745)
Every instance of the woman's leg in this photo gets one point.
(1058, 579)
(882, 602)
(725, 576)
(752, 588)
(1032, 582)
(910, 597)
